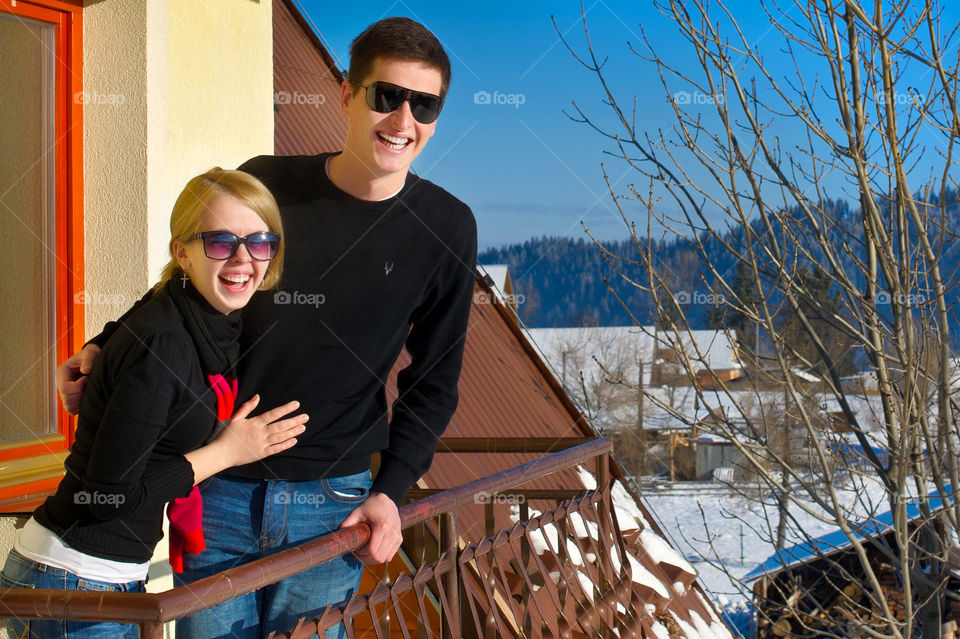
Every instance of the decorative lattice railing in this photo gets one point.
(560, 572)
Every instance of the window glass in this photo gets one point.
(27, 243)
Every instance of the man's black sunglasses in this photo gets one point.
(384, 97)
(222, 245)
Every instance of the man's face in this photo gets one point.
(387, 143)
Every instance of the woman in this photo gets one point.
(146, 428)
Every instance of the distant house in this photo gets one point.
(612, 371)
(860, 383)
(639, 355)
(497, 277)
(718, 458)
(807, 588)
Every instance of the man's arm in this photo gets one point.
(72, 374)
(427, 394)
(427, 388)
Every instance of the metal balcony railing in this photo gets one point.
(562, 572)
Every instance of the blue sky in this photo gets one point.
(503, 143)
(523, 167)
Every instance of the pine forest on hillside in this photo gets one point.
(563, 282)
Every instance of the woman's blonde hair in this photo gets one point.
(197, 195)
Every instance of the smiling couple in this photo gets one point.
(391, 255)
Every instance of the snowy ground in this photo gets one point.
(725, 533)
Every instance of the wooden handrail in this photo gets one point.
(508, 444)
(150, 610)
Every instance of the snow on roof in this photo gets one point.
(804, 375)
(713, 348)
(644, 577)
(660, 630)
(624, 503)
(867, 409)
(589, 481)
(622, 353)
(497, 363)
(661, 552)
(497, 273)
(640, 343)
(700, 628)
(713, 615)
(630, 517)
(837, 540)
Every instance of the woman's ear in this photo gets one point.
(179, 250)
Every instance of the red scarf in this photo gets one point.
(186, 513)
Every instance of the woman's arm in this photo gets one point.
(143, 380)
(247, 440)
(119, 474)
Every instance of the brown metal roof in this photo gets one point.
(306, 86)
(507, 391)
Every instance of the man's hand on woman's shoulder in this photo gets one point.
(72, 377)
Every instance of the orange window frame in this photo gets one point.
(20, 493)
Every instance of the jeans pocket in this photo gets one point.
(351, 489)
(18, 572)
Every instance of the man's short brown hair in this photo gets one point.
(397, 39)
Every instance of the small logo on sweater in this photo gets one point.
(387, 267)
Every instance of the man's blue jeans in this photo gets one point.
(246, 519)
(20, 572)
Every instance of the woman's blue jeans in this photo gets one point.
(244, 520)
(20, 572)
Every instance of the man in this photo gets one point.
(376, 258)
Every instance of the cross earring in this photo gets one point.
(184, 279)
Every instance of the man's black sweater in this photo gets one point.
(147, 402)
(361, 280)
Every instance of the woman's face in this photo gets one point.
(226, 284)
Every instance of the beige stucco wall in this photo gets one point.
(171, 88)
(116, 166)
(220, 92)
